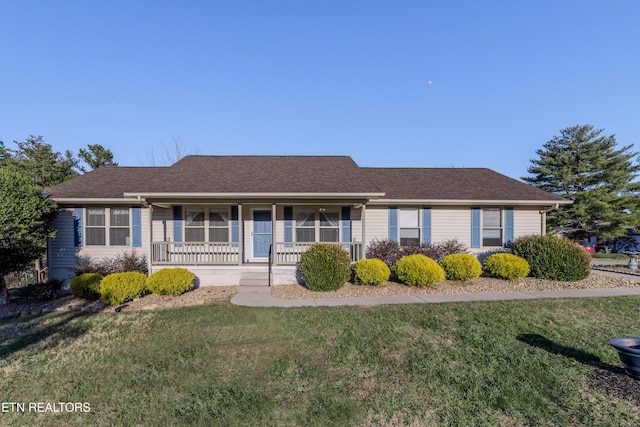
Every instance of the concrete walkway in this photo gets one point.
(260, 296)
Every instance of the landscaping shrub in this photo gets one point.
(44, 291)
(122, 287)
(553, 258)
(371, 272)
(171, 281)
(506, 266)
(86, 285)
(325, 267)
(461, 266)
(418, 270)
(390, 252)
(120, 263)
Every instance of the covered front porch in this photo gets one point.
(225, 234)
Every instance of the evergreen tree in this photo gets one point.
(36, 159)
(26, 221)
(96, 156)
(584, 166)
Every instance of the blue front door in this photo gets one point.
(261, 233)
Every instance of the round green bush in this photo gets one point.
(461, 266)
(506, 266)
(171, 281)
(553, 258)
(371, 272)
(86, 285)
(122, 287)
(325, 267)
(418, 270)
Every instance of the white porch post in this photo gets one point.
(273, 233)
(363, 251)
(240, 235)
(150, 258)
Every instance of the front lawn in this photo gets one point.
(511, 363)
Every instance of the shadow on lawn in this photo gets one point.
(581, 356)
(25, 334)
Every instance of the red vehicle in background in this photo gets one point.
(586, 246)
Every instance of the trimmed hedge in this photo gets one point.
(506, 266)
(553, 258)
(418, 270)
(391, 251)
(371, 272)
(171, 281)
(86, 285)
(461, 266)
(122, 287)
(325, 267)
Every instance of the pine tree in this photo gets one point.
(584, 166)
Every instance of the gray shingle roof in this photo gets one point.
(298, 174)
(453, 184)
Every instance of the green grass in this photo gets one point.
(516, 363)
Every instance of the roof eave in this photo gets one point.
(192, 196)
(470, 202)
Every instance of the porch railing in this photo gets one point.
(210, 253)
(194, 253)
(289, 253)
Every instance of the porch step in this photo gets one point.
(254, 279)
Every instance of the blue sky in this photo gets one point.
(390, 83)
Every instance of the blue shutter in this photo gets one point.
(177, 223)
(508, 227)
(426, 225)
(346, 224)
(393, 223)
(235, 233)
(475, 228)
(136, 227)
(288, 224)
(78, 226)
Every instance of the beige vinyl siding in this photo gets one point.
(451, 222)
(377, 223)
(526, 221)
(162, 225)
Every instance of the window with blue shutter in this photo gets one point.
(508, 227)
(475, 227)
(393, 223)
(288, 224)
(346, 224)
(136, 227)
(77, 226)
(426, 225)
(235, 230)
(177, 223)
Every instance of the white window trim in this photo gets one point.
(483, 228)
(316, 222)
(419, 226)
(207, 223)
(107, 227)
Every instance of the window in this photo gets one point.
(119, 226)
(492, 227)
(218, 226)
(409, 226)
(194, 225)
(305, 226)
(329, 227)
(326, 229)
(95, 227)
(207, 224)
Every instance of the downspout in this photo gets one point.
(543, 219)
